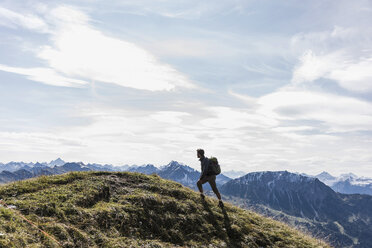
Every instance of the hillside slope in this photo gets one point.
(106, 209)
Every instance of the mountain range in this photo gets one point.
(303, 201)
(344, 220)
(174, 170)
(347, 183)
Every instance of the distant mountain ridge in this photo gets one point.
(145, 169)
(273, 188)
(174, 171)
(234, 174)
(39, 169)
(347, 183)
(13, 166)
(344, 220)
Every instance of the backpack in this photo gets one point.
(214, 167)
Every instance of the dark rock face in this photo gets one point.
(22, 174)
(344, 219)
(7, 176)
(347, 187)
(13, 166)
(295, 194)
(74, 167)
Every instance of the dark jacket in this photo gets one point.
(204, 167)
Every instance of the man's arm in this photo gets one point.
(205, 165)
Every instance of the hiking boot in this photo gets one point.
(202, 195)
(220, 203)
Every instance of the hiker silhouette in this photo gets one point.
(206, 175)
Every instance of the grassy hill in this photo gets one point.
(104, 209)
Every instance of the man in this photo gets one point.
(206, 176)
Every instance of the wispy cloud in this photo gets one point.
(335, 113)
(313, 67)
(79, 51)
(13, 19)
(170, 117)
(355, 76)
(349, 74)
(342, 55)
(184, 9)
(45, 75)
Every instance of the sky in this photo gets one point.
(261, 85)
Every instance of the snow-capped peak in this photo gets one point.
(347, 176)
(57, 162)
(275, 176)
(325, 175)
(175, 165)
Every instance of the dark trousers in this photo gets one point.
(212, 182)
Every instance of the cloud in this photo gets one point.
(191, 48)
(298, 110)
(354, 76)
(13, 19)
(82, 52)
(191, 9)
(342, 55)
(313, 67)
(335, 113)
(242, 138)
(331, 40)
(351, 75)
(133, 136)
(37, 141)
(170, 117)
(310, 130)
(45, 75)
(250, 101)
(232, 118)
(291, 128)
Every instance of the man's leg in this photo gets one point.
(200, 184)
(212, 182)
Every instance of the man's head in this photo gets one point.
(200, 153)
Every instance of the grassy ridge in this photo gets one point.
(102, 209)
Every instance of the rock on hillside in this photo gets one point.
(123, 209)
